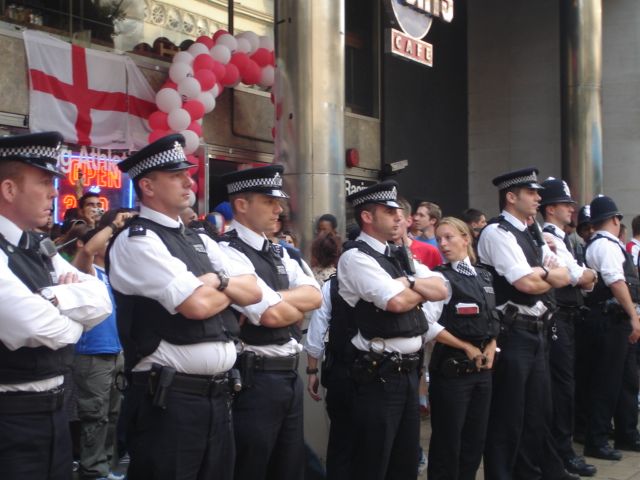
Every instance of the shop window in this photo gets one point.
(361, 57)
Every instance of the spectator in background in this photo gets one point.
(623, 233)
(89, 208)
(217, 222)
(476, 221)
(633, 246)
(585, 227)
(425, 253)
(426, 218)
(68, 244)
(327, 223)
(224, 208)
(97, 361)
(188, 215)
(325, 250)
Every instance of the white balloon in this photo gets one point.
(178, 119)
(192, 198)
(266, 42)
(216, 90)
(253, 39)
(189, 88)
(197, 48)
(267, 76)
(208, 100)
(228, 41)
(168, 99)
(179, 71)
(191, 141)
(220, 53)
(243, 45)
(183, 57)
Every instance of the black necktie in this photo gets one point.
(24, 241)
(569, 245)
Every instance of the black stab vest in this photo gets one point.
(532, 252)
(28, 364)
(568, 296)
(143, 322)
(467, 289)
(374, 322)
(601, 292)
(270, 268)
(342, 326)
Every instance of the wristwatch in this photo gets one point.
(224, 280)
(312, 371)
(546, 272)
(48, 295)
(412, 281)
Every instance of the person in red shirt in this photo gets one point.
(423, 252)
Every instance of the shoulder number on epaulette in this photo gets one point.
(137, 231)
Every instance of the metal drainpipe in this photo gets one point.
(310, 130)
(581, 58)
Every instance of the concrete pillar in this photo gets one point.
(309, 97)
(581, 39)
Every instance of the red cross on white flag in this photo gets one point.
(91, 97)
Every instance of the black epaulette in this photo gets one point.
(137, 231)
(499, 220)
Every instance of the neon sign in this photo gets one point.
(100, 174)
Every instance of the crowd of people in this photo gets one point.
(174, 342)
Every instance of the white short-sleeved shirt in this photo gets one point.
(319, 324)
(606, 257)
(360, 276)
(575, 269)
(28, 320)
(297, 278)
(142, 265)
(499, 249)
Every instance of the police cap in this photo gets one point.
(603, 208)
(40, 150)
(266, 180)
(383, 193)
(526, 177)
(165, 154)
(555, 191)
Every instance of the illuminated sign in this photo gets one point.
(100, 174)
(414, 17)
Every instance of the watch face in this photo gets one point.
(47, 293)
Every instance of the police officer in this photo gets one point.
(613, 325)
(267, 414)
(173, 288)
(524, 270)
(46, 306)
(557, 207)
(460, 380)
(387, 297)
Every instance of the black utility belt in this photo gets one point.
(251, 361)
(160, 380)
(389, 362)
(521, 321)
(14, 403)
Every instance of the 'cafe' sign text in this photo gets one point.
(414, 17)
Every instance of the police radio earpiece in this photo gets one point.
(47, 247)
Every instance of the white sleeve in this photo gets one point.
(142, 265)
(319, 323)
(607, 259)
(499, 248)
(575, 270)
(222, 262)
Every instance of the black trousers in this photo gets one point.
(459, 418)
(191, 439)
(609, 348)
(626, 414)
(35, 446)
(339, 399)
(268, 426)
(387, 428)
(519, 412)
(562, 381)
(582, 375)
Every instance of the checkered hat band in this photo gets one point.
(33, 151)
(381, 196)
(242, 185)
(175, 155)
(518, 181)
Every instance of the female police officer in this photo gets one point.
(460, 389)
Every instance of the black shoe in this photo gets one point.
(567, 476)
(579, 466)
(633, 446)
(604, 452)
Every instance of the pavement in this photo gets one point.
(626, 469)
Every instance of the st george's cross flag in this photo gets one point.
(91, 97)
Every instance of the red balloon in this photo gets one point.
(218, 33)
(206, 78)
(195, 109)
(194, 187)
(203, 61)
(170, 84)
(158, 121)
(157, 134)
(251, 73)
(273, 132)
(196, 128)
(262, 57)
(218, 69)
(231, 76)
(239, 59)
(205, 41)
